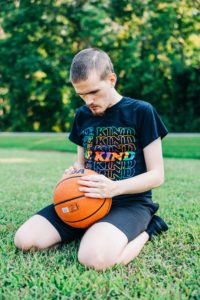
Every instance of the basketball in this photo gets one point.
(73, 207)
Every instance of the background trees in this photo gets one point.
(153, 45)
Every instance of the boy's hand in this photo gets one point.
(98, 186)
(71, 169)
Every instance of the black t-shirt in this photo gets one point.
(113, 143)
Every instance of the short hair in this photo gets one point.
(87, 60)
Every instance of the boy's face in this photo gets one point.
(96, 93)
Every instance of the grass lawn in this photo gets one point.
(173, 146)
(166, 269)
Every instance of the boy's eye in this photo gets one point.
(92, 93)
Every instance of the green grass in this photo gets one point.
(173, 146)
(37, 142)
(181, 147)
(166, 269)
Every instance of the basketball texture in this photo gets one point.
(73, 207)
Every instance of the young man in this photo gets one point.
(120, 138)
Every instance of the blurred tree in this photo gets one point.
(34, 67)
(156, 38)
(153, 44)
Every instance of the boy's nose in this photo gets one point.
(89, 100)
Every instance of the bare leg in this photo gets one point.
(101, 245)
(133, 248)
(104, 245)
(36, 233)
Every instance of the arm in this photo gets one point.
(78, 164)
(154, 176)
(80, 155)
(80, 160)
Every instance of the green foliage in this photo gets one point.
(153, 44)
(167, 268)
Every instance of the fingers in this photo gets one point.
(78, 166)
(94, 195)
(88, 190)
(90, 183)
(69, 170)
(73, 168)
(92, 189)
(93, 178)
(92, 192)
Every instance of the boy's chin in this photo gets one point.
(98, 114)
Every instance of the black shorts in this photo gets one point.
(131, 218)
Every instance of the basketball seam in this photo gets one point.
(89, 215)
(109, 206)
(66, 179)
(69, 200)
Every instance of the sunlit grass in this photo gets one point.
(173, 146)
(166, 269)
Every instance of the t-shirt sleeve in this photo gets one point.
(150, 126)
(74, 135)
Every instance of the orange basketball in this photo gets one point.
(73, 207)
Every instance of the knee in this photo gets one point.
(94, 259)
(24, 241)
